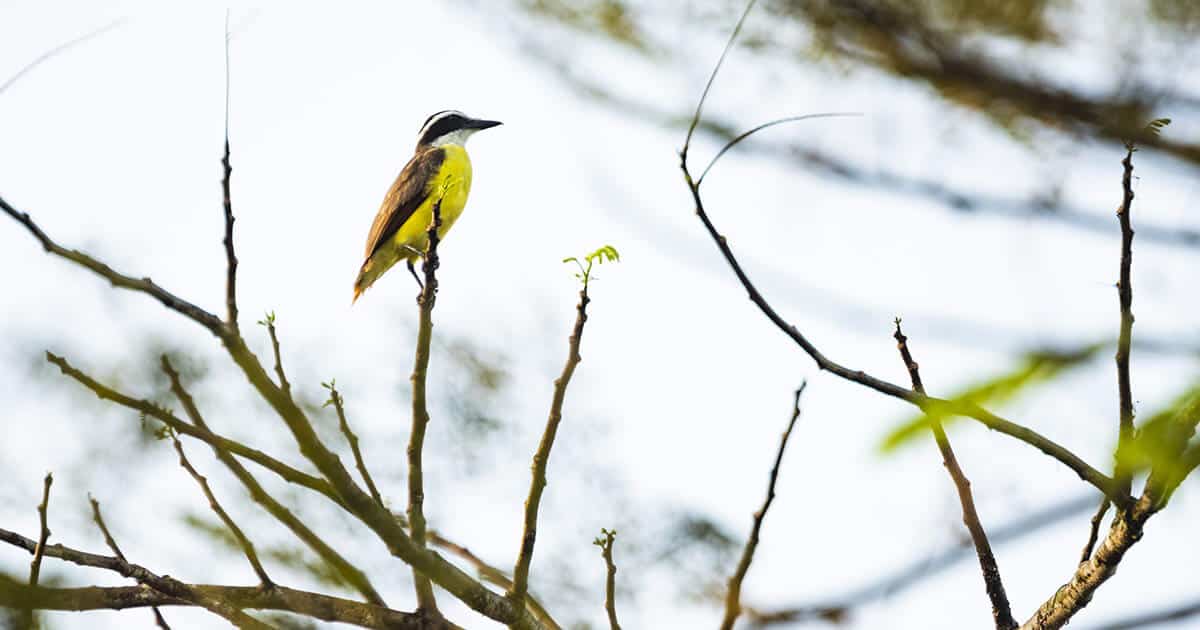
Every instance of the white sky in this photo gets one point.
(114, 147)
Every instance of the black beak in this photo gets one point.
(476, 123)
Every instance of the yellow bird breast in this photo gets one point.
(451, 185)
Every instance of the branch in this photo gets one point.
(335, 399)
(35, 566)
(280, 598)
(112, 544)
(541, 458)
(971, 410)
(347, 571)
(165, 585)
(243, 541)
(37, 61)
(605, 542)
(269, 322)
(733, 605)
(1001, 610)
(420, 410)
(201, 433)
(140, 285)
(1125, 295)
(1073, 596)
(231, 261)
(1094, 532)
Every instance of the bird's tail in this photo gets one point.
(364, 280)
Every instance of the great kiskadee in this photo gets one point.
(438, 170)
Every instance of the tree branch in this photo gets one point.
(335, 399)
(140, 285)
(1001, 610)
(347, 571)
(280, 598)
(35, 566)
(159, 620)
(231, 261)
(1125, 295)
(165, 585)
(420, 410)
(605, 542)
(541, 458)
(733, 603)
(284, 385)
(243, 541)
(964, 408)
(1094, 532)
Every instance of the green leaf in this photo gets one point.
(1154, 127)
(1035, 368)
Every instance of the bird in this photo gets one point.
(438, 172)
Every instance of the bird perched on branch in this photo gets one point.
(439, 170)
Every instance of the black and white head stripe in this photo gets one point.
(450, 126)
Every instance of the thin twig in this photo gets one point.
(335, 398)
(713, 77)
(243, 541)
(1094, 532)
(605, 542)
(348, 572)
(1125, 296)
(159, 620)
(37, 61)
(541, 458)
(964, 408)
(169, 587)
(733, 596)
(746, 134)
(284, 385)
(420, 410)
(1001, 610)
(35, 566)
(231, 261)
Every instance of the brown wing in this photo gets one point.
(407, 194)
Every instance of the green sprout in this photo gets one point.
(605, 253)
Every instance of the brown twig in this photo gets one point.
(1001, 610)
(269, 322)
(1094, 532)
(964, 408)
(159, 620)
(35, 566)
(350, 573)
(165, 585)
(733, 596)
(541, 458)
(1125, 296)
(335, 399)
(605, 542)
(243, 541)
(420, 410)
(231, 261)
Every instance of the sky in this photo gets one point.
(114, 146)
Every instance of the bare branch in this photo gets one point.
(159, 620)
(231, 261)
(746, 134)
(420, 410)
(280, 598)
(605, 542)
(58, 49)
(335, 399)
(1094, 532)
(165, 585)
(140, 285)
(243, 541)
(219, 442)
(713, 77)
(352, 574)
(1001, 610)
(541, 458)
(1125, 295)
(269, 322)
(964, 408)
(35, 566)
(733, 597)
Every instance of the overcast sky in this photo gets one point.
(114, 147)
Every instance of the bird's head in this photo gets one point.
(450, 127)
